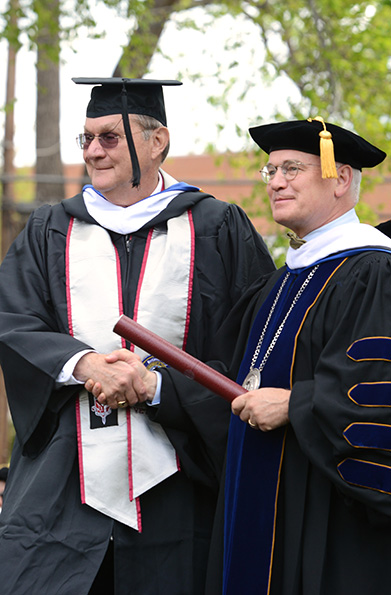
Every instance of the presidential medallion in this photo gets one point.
(252, 380)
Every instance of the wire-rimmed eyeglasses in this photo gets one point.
(108, 140)
(289, 170)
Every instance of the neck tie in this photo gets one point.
(294, 241)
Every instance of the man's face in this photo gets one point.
(306, 202)
(110, 169)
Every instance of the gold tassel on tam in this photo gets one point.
(327, 159)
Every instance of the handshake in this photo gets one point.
(117, 379)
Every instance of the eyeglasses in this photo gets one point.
(289, 170)
(108, 140)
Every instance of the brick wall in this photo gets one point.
(216, 175)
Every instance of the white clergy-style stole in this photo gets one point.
(122, 454)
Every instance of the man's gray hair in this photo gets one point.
(356, 184)
(147, 124)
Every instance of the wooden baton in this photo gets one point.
(180, 360)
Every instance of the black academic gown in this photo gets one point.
(51, 544)
(333, 514)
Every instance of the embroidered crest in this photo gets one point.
(153, 363)
(102, 412)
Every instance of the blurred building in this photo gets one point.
(227, 179)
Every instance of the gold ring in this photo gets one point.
(122, 404)
(254, 426)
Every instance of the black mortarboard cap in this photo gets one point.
(310, 136)
(127, 96)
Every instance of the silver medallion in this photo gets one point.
(252, 380)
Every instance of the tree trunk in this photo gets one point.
(143, 43)
(6, 202)
(8, 187)
(49, 170)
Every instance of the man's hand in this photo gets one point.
(116, 377)
(264, 408)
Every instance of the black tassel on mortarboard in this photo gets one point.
(129, 138)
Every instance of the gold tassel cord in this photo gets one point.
(327, 159)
